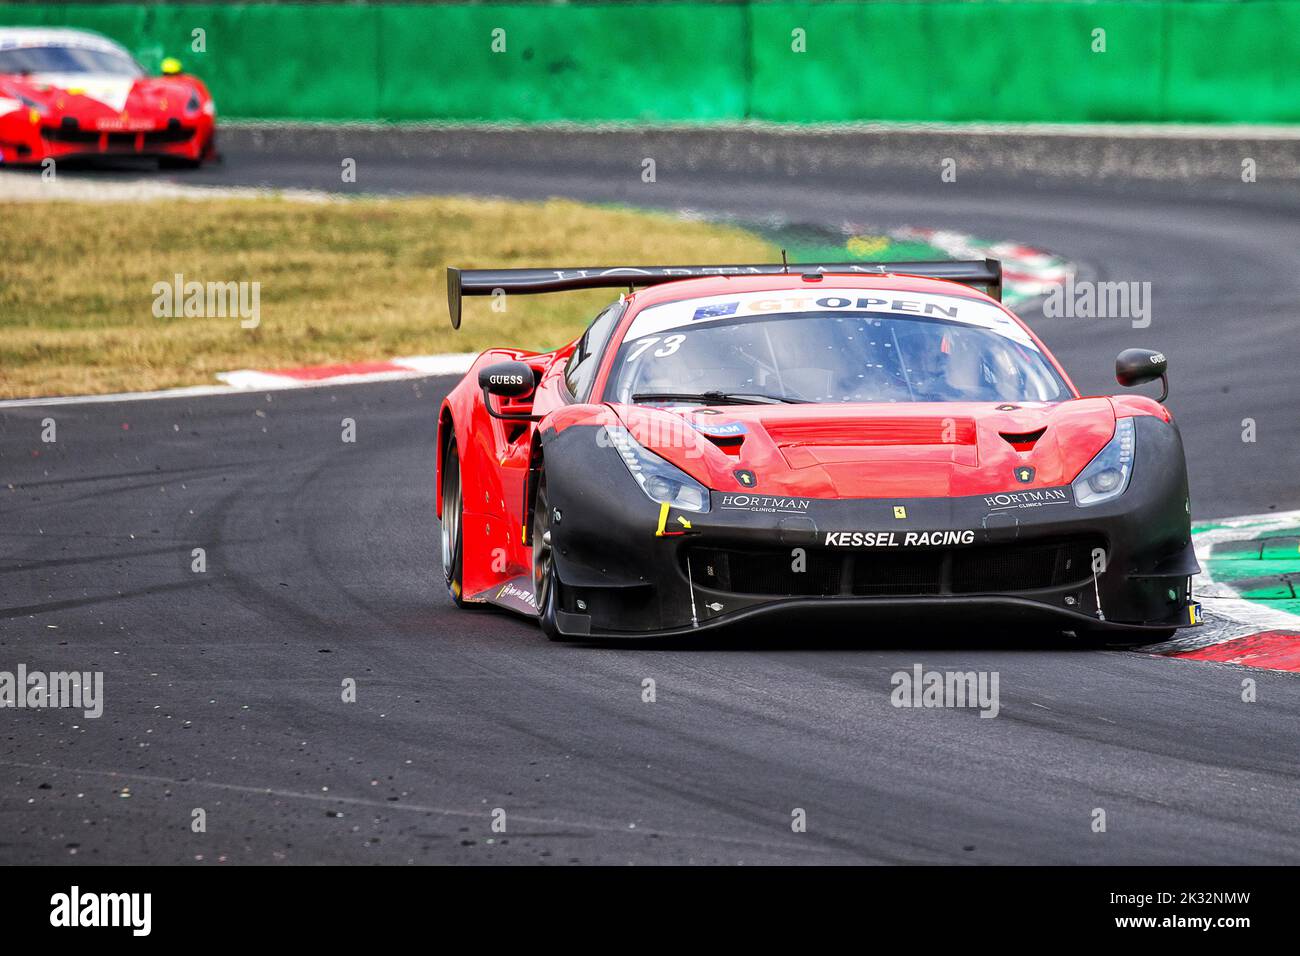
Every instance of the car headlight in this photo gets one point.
(662, 481)
(1107, 475)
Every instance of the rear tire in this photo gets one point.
(453, 523)
(546, 585)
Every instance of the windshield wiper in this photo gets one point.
(719, 398)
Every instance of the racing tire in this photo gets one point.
(546, 584)
(451, 533)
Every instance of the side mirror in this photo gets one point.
(1135, 366)
(507, 380)
(171, 66)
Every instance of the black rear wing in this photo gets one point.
(463, 282)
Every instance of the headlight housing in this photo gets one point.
(662, 481)
(1107, 475)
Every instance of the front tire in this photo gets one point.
(452, 533)
(546, 585)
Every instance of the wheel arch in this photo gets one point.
(535, 463)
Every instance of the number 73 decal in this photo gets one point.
(670, 345)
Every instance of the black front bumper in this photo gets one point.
(1026, 557)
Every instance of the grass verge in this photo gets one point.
(349, 280)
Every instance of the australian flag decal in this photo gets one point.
(717, 310)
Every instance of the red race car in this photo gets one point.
(849, 441)
(68, 93)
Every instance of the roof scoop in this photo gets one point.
(1023, 441)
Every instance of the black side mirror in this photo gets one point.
(507, 380)
(1135, 366)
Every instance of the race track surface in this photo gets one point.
(223, 687)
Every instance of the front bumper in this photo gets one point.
(32, 143)
(1028, 557)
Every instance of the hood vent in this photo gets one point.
(1023, 441)
(728, 443)
(872, 431)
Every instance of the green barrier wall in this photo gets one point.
(1170, 60)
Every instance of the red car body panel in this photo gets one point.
(496, 457)
(888, 451)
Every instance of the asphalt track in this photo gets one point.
(223, 688)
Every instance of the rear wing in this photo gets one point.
(463, 282)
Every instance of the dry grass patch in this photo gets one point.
(341, 281)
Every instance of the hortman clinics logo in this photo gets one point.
(76, 909)
(773, 504)
(1027, 499)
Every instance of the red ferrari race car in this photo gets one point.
(68, 93)
(850, 441)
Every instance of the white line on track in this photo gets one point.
(244, 381)
(19, 186)
(398, 806)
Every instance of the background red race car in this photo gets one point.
(838, 443)
(68, 93)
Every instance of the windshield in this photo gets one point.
(67, 59)
(833, 356)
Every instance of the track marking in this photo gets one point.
(1239, 630)
(23, 186)
(1275, 650)
(1220, 594)
(626, 829)
(243, 381)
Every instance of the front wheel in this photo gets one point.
(546, 588)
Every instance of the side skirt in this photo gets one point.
(514, 595)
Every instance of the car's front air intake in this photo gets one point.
(823, 572)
